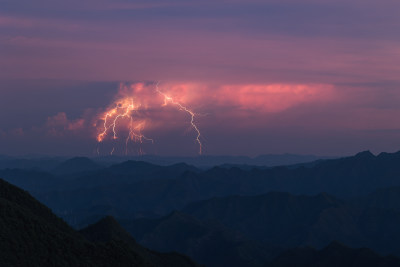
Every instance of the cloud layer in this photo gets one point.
(309, 76)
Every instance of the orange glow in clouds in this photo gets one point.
(128, 114)
(141, 108)
(122, 114)
(168, 99)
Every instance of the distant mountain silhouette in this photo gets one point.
(80, 173)
(3, 157)
(386, 198)
(284, 159)
(106, 230)
(145, 170)
(31, 180)
(285, 220)
(137, 187)
(334, 255)
(208, 243)
(109, 230)
(244, 167)
(29, 164)
(50, 163)
(76, 165)
(207, 161)
(251, 229)
(230, 210)
(346, 177)
(31, 235)
(275, 218)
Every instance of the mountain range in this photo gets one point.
(132, 188)
(233, 215)
(31, 235)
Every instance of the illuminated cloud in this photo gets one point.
(136, 108)
(258, 98)
(140, 109)
(233, 118)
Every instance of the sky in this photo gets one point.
(259, 77)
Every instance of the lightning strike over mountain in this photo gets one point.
(168, 99)
(136, 137)
(123, 109)
(134, 111)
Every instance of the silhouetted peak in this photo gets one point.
(386, 156)
(178, 215)
(79, 160)
(217, 170)
(365, 155)
(108, 221)
(188, 174)
(136, 163)
(18, 196)
(33, 236)
(77, 164)
(133, 165)
(327, 198)
(183, 167)
(276, 194)
(23, 200)
(180, 218)
(335, 246)
(105, 230)
(335, 254)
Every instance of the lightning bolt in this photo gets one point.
(128, 112)
(136, 137)
(168, 99)
(123, 109)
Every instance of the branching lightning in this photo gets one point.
(128, 113)
(136, 136)
(168, 99)
(124, 108)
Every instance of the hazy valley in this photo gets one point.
(225, 215)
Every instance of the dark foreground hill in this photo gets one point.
(31, 235)
(108, 230)
(221, 231)
(249, 230)
(76, 165)
(213, 244)
(276, 218)
(208, 243)
(334, 255)
(287, 220)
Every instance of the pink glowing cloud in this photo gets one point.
(139, 110)
(259, 98)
